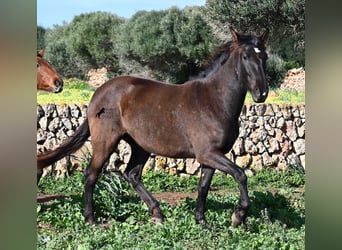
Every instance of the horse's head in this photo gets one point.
(252, 63)
(47, 77)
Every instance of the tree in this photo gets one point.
(40, 37)
(57, 53)
(171, 43)
(91, 40)
(283, 19)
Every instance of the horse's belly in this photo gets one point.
(163, 141)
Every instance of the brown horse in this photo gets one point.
(198, 119)
(47, 77)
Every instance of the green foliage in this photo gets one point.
(285, 21)
(90, 37)
(58, 54)
(86, 43)
(275, 70)
(275, 221)
(40, 38)
(171, 43)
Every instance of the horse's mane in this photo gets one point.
(222, 53)
(215, 59)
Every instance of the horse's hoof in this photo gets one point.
(201, 221)
(236, 220)
(157, 220)
(91, 221)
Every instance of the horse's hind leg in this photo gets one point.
(133, 174)
(203, 188)
(102, 149)
(39, 172)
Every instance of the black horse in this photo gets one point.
(198, 119)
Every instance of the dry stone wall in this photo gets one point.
(270, 136)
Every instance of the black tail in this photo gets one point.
(69, 146)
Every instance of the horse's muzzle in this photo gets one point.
(259, 97)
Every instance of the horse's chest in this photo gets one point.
(229, 137)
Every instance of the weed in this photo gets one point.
(275, 220)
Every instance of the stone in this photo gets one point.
(75, 111)
(299, 146)
(291, 131)
(66, 123)
(280, 123)
(269, 110)
(238, 147)
(302, 160)
(44, 123)
(160, 163)
(260, 109)
(63, 111)
(301, 131)
(250, 148)
(273, 145)
(54, 125)
(267, 160)
(295, 112)
(287, 112)
(40, 112)
(243, 161)
(258, 135)
(279, 135)
(50, 111)
(192, 166)
(261, 147)
(257, 163)
(250, 110)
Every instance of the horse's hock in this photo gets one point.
(270, 136)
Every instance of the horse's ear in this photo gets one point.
(235, 34)
(263, 37)
(40, 53)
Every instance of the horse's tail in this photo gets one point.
(68, 147)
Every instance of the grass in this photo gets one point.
(74, 91)
(275, 221)
(78, 92)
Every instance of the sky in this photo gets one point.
(56, 12)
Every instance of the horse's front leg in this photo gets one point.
(217, 160)
(203, 188)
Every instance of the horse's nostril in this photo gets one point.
(58, 83)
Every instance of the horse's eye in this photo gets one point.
(244, 56)
(38, 65)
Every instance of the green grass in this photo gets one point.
(74, 91)
(275, 221)
(277, 96)
(80, 92)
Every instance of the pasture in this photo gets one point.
(276, 219)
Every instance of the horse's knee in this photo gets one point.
(240, 176)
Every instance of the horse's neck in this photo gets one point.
(226, 88)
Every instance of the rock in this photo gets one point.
(291, 131)
(243, 161)
(192, 166)
(299, 146)
(238, 147)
